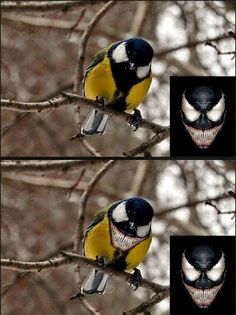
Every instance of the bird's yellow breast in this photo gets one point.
(99, 81)
(98, 243)
(137, 93)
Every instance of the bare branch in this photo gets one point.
(219, 52)
(162, 132)
(44, 6)
(209, 203)
(190, 44)
(163, 212)
(43, 181)
(72, 258)
(145, 306)
(144, 147)
(38, 165)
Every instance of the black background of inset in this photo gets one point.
(181, 143)
(180, 301)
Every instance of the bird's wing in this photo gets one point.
(96, 60)
(98, 218)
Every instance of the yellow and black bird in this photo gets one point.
(120, 76)
(119, 234)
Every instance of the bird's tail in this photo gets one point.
(95, 283)
(94, 123)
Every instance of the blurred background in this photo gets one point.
(39, 211)
(39, 53)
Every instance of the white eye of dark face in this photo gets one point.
(217, 271)
(189, 271)
(216, 112)
(191, 113)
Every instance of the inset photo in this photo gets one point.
(202, 275)
(202, 116)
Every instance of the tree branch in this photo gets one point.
(161, 292)
(72, 258)
(44, 6)
(148, 144)
(162, 53)
(163, 212)
(69, 99)
(38, 165)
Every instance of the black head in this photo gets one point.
(130, 62)
(139, 51)
(132, 216)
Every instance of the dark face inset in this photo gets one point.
(203, 273)
(203, 113)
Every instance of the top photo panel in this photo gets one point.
(100, 78)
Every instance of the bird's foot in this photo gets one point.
(137, 279)
(101, 261)
(101, 101)
(136, 119)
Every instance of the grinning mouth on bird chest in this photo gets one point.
(121, 241)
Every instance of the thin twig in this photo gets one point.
(189, 45)
(44, 6)
(43, 181)
(209, 203)
(166, 211)
(75, 185)
(148, 144)
(76, 24)
(219, 52)
(37, 165)
(145, 306)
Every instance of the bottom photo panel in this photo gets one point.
(110, 237)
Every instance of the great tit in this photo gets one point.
(120, 76)
(120, 234)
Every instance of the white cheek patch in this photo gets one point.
(217, 271)
(142, 72)
(191, 113)
(143, 231)
(119, 54)
(119, 214)
(217, 111)
(189, 271)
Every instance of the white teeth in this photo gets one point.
(203, 298)
(121, 241)
(203, 138)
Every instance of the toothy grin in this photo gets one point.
(203, 138)
(203, 298)
(121, 241)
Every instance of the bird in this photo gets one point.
(120, 235)
(119, 76)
